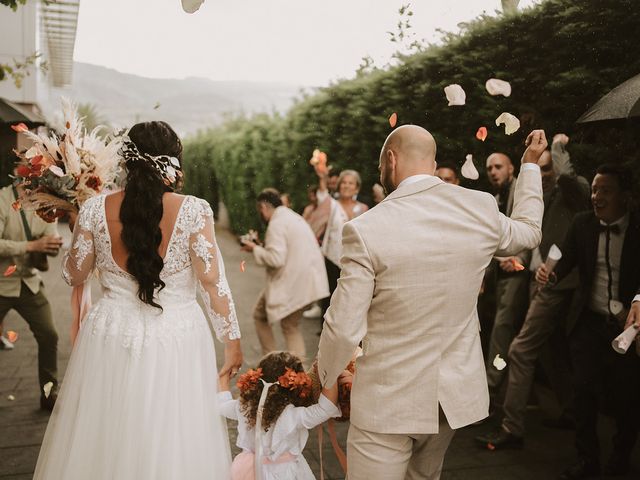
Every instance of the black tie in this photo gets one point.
(609, 229)
(615, 229)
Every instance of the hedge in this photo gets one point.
(560, 58)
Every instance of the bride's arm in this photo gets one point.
(213, 287)
(79, 261)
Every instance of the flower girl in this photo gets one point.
(274, 418)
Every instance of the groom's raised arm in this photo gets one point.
(346, 319)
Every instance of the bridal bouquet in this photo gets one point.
(60, 171)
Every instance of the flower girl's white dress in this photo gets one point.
(139, 398)
(284, 441)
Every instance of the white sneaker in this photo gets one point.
(313, 312)
(5, 344)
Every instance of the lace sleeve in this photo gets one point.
(79, 261)
(212, 281)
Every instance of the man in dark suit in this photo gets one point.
(603, 244)
(565, 194)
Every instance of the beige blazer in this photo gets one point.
(296, 275)
(13, 245)
(411, 271)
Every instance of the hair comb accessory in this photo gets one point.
(167, 166)
(249, 379)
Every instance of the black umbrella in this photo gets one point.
(621, 102)
(11, 113)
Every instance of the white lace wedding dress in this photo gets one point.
(139, 398)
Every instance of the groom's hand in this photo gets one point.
(536, 144)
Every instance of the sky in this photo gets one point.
(300, 42)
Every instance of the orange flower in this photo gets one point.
(20, 127)
(296, 381)
(249, 380)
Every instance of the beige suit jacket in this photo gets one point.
(13, 245)
(411, 271)
(296, 275)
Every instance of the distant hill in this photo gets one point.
(188, 105)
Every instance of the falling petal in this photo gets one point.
(12, 336)
(315, 158)
(499, 362)
(455, 94)
(393, 120)
(481, 134)
(156, 106)
(191, 6)
(242, 266)
(517, 265)
(511, 122)
(469, 170)
(47, 389)
(615, 306)
(11, 398)
(20, 127)
(16, 205)
(496, 86)
(56, 170)
(10, 270)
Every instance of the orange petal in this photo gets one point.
(10, 270)
(12, 336)
(242, 266)
(481, 134)
(16, 205)
(517, 265)
(393, 120)
(20, 127)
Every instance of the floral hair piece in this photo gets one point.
(290, 380)
(299, 381)
(168, 167)
(249, 380)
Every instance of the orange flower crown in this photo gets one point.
(290, 380)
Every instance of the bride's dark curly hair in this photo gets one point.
(273, 366)
(142, 209)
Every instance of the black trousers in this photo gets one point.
(603, 378)
(333, 274)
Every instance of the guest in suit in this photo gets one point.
(421, 374)
(603, 244)
(296, 275)
(23, 290)
(448, 173)
(565, 194)
(511, 286)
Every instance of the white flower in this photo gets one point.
(56, 170)
(191, 6)
(498, 87)
(469, 170)
(499, 362)
(511, 123)
(455, 94)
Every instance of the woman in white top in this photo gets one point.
(345, 208)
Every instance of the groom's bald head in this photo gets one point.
(408, 150)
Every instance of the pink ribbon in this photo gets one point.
(80, 305)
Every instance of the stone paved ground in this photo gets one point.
(22, 425)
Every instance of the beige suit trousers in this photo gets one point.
(290, 330)
(383, 456)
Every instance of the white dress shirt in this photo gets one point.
(599, 299)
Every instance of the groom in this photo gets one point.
(411, 272)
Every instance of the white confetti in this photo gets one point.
(56, 170)
(191, 6)
(499, 362)
(511, 123)
(455, 94)
(496, 86)
(469, 169)
(11, 398)
(615, 306)
(47, 389)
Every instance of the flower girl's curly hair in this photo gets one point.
(293, 386)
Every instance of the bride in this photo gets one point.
(139, 396)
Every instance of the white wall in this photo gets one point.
(20, 38)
